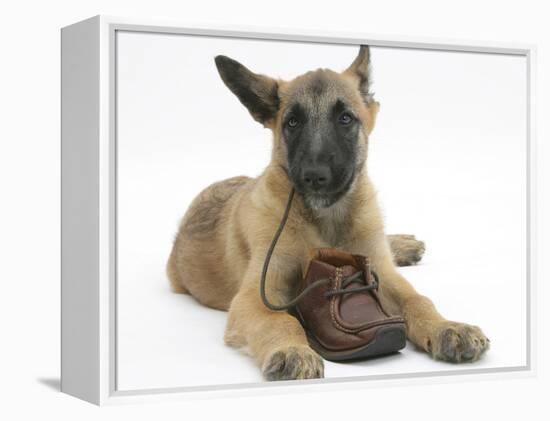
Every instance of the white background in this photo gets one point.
(447, 157)
(29, 171)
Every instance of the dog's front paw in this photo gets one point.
(293, 363)
(406, 249)
(457, 342)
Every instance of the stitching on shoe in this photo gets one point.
(365, 326)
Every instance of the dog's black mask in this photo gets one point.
(321, 135)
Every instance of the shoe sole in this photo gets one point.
(388, 340)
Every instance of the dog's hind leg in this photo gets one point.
(406, 249)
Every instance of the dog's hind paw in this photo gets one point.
(406, 249)
(293, 363)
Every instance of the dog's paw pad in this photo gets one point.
(293, 363)
(457, 343)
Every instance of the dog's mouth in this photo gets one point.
(318, 201)
(325, 199)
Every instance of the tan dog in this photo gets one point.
(320, 122)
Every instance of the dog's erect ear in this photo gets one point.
(360, 70)
(258, 93)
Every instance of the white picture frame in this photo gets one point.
(89, 198)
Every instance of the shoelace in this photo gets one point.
(357, 277)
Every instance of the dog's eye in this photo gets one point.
(292, 122)
(345, 119)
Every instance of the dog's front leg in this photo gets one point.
(426, 328)
(275, 339)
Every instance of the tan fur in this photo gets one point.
(406, 249)
(223, 239)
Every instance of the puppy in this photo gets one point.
(321, 123)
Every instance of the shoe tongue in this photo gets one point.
(348, 270)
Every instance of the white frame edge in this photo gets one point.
(80, 119)
(88, 216)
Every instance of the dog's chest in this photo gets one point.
(334, 225)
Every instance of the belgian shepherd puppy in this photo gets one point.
(321, 123)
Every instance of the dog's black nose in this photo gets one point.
(316, 177)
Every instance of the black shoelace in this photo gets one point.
(358, 277)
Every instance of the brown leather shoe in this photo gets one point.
(343, 317)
